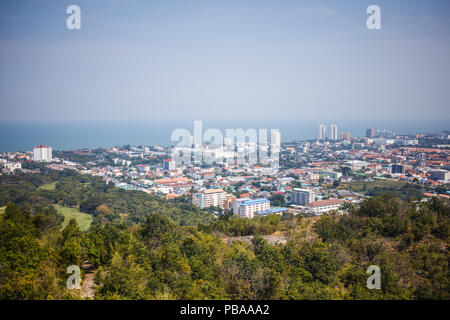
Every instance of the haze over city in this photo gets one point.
(243, 60)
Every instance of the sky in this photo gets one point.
(255, 60)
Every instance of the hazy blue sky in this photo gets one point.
(159, 60)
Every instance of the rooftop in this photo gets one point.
(254, 201)
(41, 146)
(324, 203)
(213, 191)
(272, 210)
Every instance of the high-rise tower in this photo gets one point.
(333, 132)
(321, 131)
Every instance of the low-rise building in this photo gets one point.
(324, 206)
(278, 211)
(12, 166)
(332, 174)
(440, 175)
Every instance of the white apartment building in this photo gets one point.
(248, 208)
(42, 153)
(210, 198)
(236, 203)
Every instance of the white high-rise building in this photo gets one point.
(42, 153)
(333, 132)
(275, 137)
(321, 131)
(275, 145)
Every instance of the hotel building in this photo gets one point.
(42, 153)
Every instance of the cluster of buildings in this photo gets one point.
(322, 132)
(332, 133)
(309, 179)
(11, 162)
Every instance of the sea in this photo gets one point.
(23, 136)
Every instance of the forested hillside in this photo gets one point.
(143, 247)
(92, 195)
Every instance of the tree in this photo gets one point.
(277, 200)
(379, 206)
(346, 171)
(72, 252)
(156, 229)
(336, 183)
(319, 261)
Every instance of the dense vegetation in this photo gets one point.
(153, 257)
(93, 196)
(80, 156)
(399, 189)
(235, 226)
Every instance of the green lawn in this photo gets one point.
(48, 186)
(84, 220)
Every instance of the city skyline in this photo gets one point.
(79, 136)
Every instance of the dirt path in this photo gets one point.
(304, 230)
(273, 239)
(87, 287)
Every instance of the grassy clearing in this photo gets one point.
(48, 186)
(84, 220)
(358, 186)
(2, 209)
